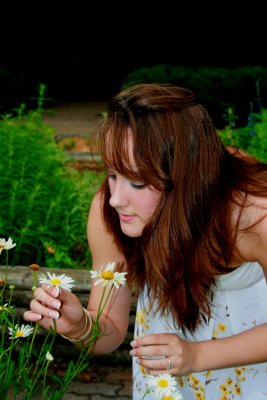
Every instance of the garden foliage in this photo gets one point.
(44, 202)
(218, 88)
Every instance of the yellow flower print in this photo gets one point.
(222, 327)
(180, 382)
(195, 381)
(237, 389)
(143, 370)
(141, 318)
(224, 389)
(240, 373)
(229, 381)
(214, 334)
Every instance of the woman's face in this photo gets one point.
(134, 202)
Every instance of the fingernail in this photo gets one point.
(37, 317)
(54, 314)
(133, 343)
(55, 291)
(56, 304)
(132, 352)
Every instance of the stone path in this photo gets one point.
(78, 117)
(102, 383)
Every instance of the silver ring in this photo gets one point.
(169, 366)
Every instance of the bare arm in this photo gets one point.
(115, 318)
(186, 357)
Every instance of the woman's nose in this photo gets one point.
(118, 196)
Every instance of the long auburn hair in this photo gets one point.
(190, 238)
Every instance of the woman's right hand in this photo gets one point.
(62, 306)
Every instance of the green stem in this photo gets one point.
(147, 391)
(9, 350)
(44, 379)
(101, 310)
(79, 366)
(6, 272)
(39, 367)
(6, 275)
(32, 341)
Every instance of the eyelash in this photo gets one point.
(138, 187)
(134, 185)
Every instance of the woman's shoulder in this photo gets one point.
(239, 153)
(101, 242)
(252, 231)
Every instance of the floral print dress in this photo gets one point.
(240, 303)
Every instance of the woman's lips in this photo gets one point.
(125, 217)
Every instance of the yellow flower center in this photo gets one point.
(55, 281)
(19, 333)
(107, 275)
(163, 383)
(167, 398)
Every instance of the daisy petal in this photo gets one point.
(60, 281)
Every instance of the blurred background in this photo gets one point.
(83, 51)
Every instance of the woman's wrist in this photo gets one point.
(86, 332)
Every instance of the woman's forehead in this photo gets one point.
(119, 154)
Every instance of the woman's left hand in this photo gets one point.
(164, 353)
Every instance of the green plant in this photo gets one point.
(24, 367)
(44, 202)
(251, 138)
(218, 88)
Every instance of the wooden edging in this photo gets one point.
(22, 279)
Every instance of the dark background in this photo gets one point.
(83, 51)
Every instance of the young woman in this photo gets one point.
(186, 219)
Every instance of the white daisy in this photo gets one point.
(108, 277)
(162, 385)
(49, 357)
(174, 396)
(60, 281)
(6, 245)
(20, 331)
(6, 308)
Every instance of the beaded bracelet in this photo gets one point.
(87, 331)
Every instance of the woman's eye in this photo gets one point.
(138, 185)
(111, 176)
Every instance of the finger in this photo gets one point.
(156, 372)
(43, 310)
(32, 316)
(156, 339)
(149, 351)
(43, 297)
(161, 365)
(66, 297)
